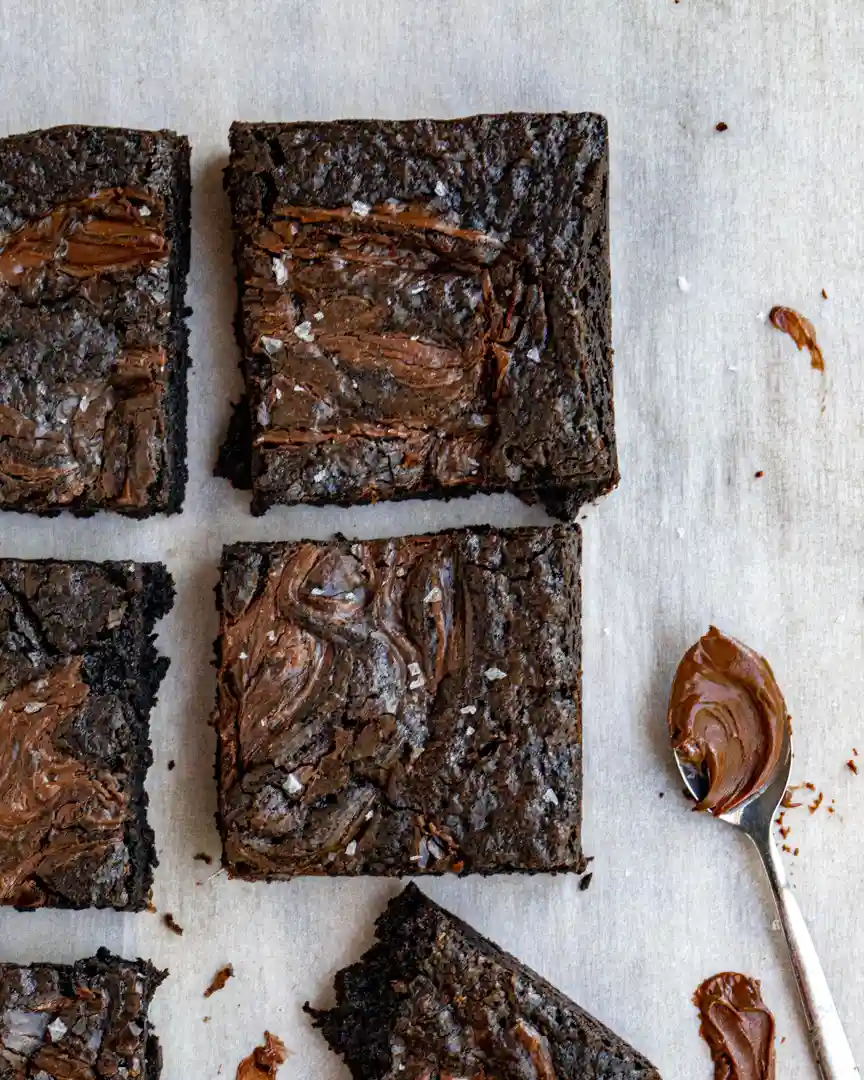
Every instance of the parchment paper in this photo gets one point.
(707, 394)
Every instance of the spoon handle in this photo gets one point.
(833, 1053)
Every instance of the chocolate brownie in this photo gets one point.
(433, 1000)
(78, 677)
(424, 310)
(94, 252)
(401, 706)
(79, 1021)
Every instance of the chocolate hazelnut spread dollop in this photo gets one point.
(264, 1061)
(727, 717)
(800, 330)
(738, 1027)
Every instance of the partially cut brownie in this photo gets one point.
(401, 706)
(434, 1000)
(424, 310)
(79, 1021)
(78, 676)
(94, 252)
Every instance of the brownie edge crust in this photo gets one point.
(401, 706)
(424, 310)
(79, 1021)
(434, 1000)
(94, 255)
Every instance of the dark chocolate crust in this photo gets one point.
(434, 1000)
(79, 674)
(405, 706)
(424, 310)
(84, 1020)
(93, 340)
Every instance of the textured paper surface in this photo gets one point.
(706, 394)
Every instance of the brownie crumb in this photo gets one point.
(151, 907)
(585, 882)
(219, 979)
(817, 802)
(722, 126)
(171, 765)
(202, 856)
(758, 475)
(264, 1061)
(172, 924)
(206, 1020)
(851, 766)
(661, 794)
(824, 295)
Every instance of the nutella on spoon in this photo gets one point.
(727, 718)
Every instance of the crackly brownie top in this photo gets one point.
(77, 676)
(78, 1022)
(402, 705)
(433, 1000)
(85, 283)
(411, 291)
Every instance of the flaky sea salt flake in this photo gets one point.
(434, 596)
(280, 272)
(57, 1029)
(361, 209)
(493, 674)
(468, 710)
(270, 345)
(303, 331)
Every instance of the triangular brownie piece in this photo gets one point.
(434, 1000)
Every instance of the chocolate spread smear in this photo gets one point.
(801, 331)
(738, 1027)
(264, 1061)
(727, 717)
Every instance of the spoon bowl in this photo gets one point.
(756, 813)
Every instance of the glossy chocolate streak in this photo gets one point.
(54, 810)
(728, 718)
(392, 312)
(111, 230)
(738, 1027)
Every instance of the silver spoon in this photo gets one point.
(754, 817)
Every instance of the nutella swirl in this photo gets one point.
(738, 1027)
(727, 717)
(44, 792)
(112, 230)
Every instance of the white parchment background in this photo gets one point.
(706, 395)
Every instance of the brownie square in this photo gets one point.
(424, 310)
(434, 1000)
(402, 706)
(94, 252)
(78, 676)
(79, 1021)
